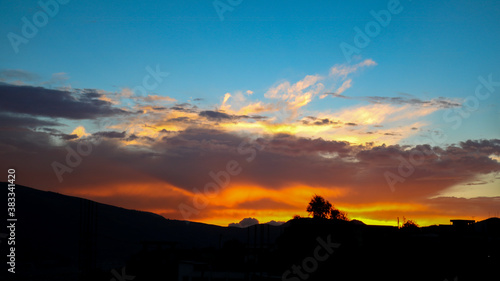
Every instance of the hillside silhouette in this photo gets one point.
(61, 237)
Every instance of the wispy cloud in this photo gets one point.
(342, 71)
(298, 94)
(405, 99)
(11, 75)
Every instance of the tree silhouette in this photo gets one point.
(319, 207)
(336, 214)
(410, 224)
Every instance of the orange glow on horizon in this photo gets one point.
(236, 202)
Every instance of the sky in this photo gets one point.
(220, 111)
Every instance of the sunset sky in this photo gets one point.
(216, 111)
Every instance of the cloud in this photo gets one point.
(345, 85)
(343, 70)
(405, 99)
(262, 204)
(224, 106)
(246, 222)
(111, 134)
(275, 223)
(221, 116)
(185, 107)
(215, 115)
(298, 94)
(482, 147)
(286, 159)
(437, 102)
(173, 150)
(80, 132)
(17, 74)
(39, 101)
(347, 124)
(14, 120)
(288, 98)
(351, 175)
(155, 98)
(56, 79)
(311, 120)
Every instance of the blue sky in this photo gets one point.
(430, 49)
(435, 48)
(409, 81)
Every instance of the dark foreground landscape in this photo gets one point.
(60, 237)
